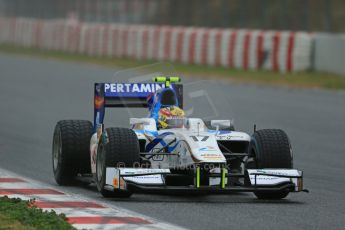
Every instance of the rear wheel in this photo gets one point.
(71, 154)
(121, 150)
(270, 148)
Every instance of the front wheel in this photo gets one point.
(121, 150)
(270, 148)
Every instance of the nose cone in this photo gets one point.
(204, 149)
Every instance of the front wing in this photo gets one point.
(152, 181)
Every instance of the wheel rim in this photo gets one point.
(56, 150)
(100, 163)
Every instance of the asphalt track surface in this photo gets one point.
(36, 93)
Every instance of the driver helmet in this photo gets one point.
(171, 117)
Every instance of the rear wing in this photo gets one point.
(129, 95)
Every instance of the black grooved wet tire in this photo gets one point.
(71, 150)
(121, 150)
(271, 148)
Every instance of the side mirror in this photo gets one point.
(220, 124)
(143, 123)
(136, 121)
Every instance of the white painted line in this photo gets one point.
(72, 212)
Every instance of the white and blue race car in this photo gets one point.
(188, 155)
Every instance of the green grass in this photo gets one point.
(299, 79)
(19, 215)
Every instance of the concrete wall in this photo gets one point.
(280, 51)
(329, 53)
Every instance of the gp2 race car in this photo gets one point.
(188, 155)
